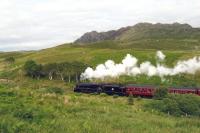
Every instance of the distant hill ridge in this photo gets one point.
(143, 31)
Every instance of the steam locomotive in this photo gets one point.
(131, 89)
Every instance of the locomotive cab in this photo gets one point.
(113, 90)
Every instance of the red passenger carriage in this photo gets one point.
(183, 90)
(144, 91)
(198, 92)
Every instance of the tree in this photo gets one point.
(60, 70)
(69, 70)
(50, 70)
(65, 70)
(33, 69)
(79, 67)
(10, 60)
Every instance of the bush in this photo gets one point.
(139, 98)
(161, 93)
(78, 94)
(115, 96)
(188, 104)
(178, 105)
(55, 90)
(24, 114)
(171, 107)
(103, 94)
(130, 100)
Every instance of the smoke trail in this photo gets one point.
(129, 66)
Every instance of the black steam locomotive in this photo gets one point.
(110, 89)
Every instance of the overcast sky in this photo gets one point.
(37, 24)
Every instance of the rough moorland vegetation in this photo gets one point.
(49, 109)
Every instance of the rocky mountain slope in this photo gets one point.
(142, 31)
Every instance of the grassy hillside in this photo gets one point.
(96, 55)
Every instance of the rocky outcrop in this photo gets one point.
(143, 31)
(95, 36)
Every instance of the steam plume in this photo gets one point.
(160, 56)
(129, 66)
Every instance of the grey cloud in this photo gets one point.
(27, 25)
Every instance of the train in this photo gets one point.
(130, 89)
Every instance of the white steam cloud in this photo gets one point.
(129, 66)
(160, 55)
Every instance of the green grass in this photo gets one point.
(94, 56)
(33, 110)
